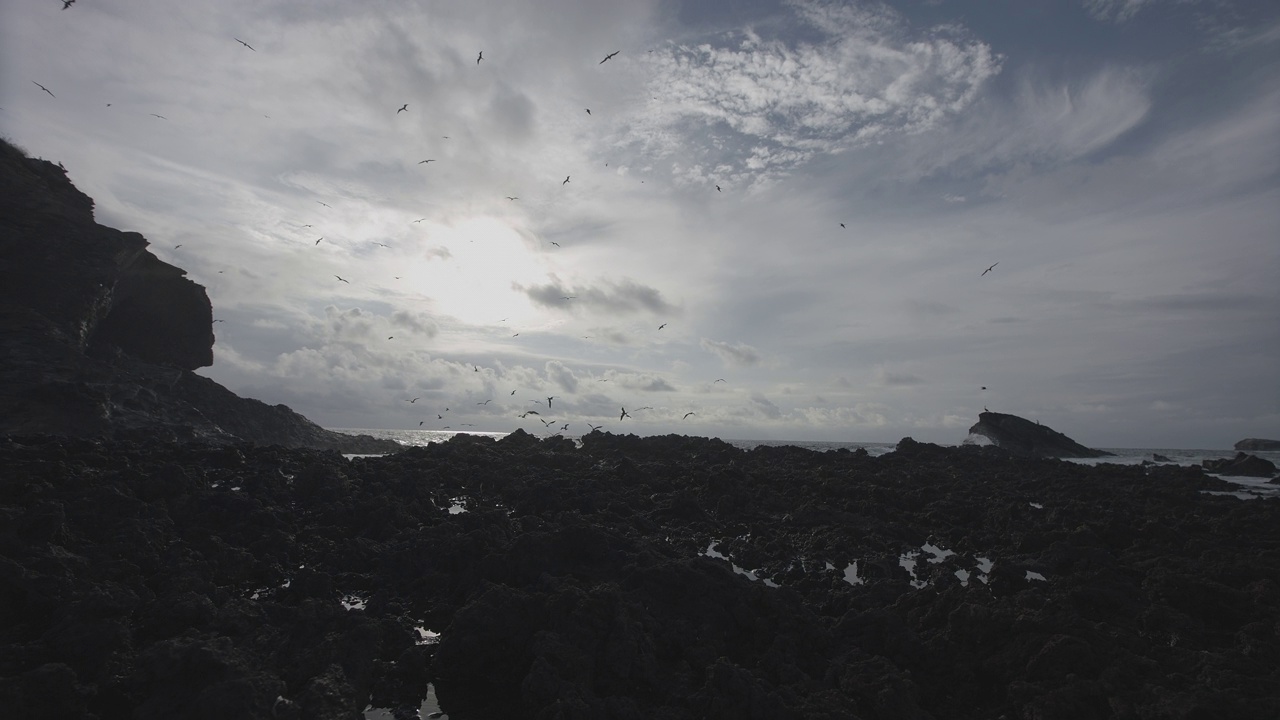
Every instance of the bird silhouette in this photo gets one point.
(686, 415)
(610, 55)
(588, 111)
(549, 401)
(842, 225)
(244, 44)
(553, 242)
(479, 57)
(662, 326)
(718, 380)
(623, 415)
(513, 392)
(566, 179)
(391, 337)
(403, 108)
(486, 402)
(419, 219)
(718, 189)
(527, 413)
(45, 89)
(414, 400)
(512, 198)
(424, 162)
(340, 278)
(175, 247)
(594, 427)
(325, 204)
(318, 240)
(993, 265)
(67, 3)
(158, 116)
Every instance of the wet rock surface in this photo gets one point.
(101, 337)
(1242, 464)
(615, 580)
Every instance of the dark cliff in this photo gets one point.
(1028, 439)
(100, 337)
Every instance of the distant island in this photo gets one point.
(1257, 444)
(1029, 439)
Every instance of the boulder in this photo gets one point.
(1256, 444)
(101, 336)
(1241, 464)
(1029, 439)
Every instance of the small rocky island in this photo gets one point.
(101, 337)
(1029, 439)
(1256, 444)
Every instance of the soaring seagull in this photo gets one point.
(67, 3)
(566, 179)
(423, 162)
(244, 44)
(318, 240)
(414, 400)
(45, 88)
(158, 116)
(588, 111)
(512, 198)
(842, 225)
(662, 326)
(610, 55)
(623, 415)
(549, 400)
(686, 415)
(479, 57)
(340, 278)
(993, 265)
(325, 204)
(403, 108)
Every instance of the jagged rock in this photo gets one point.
(1241, 464)
(1023, 437)
(101, 337)
(1257, 444)
(1157, 457)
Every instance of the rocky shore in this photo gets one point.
(667, 577)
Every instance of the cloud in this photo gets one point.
(860, 75)
(623, 297)
(1114, 10)
(739, 355)
(562, 376)
(417, 323)
(765, 407)
(891, 378)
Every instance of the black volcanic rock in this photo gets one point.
(150, 580)
(1028, 439)
(100, 337)
(1257, 444)
(1241, 464)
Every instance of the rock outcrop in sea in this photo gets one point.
(101, 337)
(1256, 444)
(1242, 464)
(1029, 439)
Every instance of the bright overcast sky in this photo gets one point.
(799, 198)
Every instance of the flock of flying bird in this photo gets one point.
(549, 425)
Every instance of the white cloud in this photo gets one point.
(739, 354)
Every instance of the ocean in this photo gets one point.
(1249, 487)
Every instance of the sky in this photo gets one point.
(798, 220)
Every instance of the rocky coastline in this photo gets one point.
(666, 577)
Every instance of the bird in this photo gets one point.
(594, 427)
(391, 337)
(486, 402)
(67, 3)
(325, 204)
(414, 400)
(565, 427)
(307, 226)
(158, 116)
(382, 245)
(623, 415)
(662, 326)
(423, 162)
(610, 55)
(718, 189)
(984, 387)
(419, 219)
(566, 179)
(545, 423)
(513, 392)
(549, 401)
(512, 198)
(218, 320)
(318, 240)
(553, 242)
(842, 225)
(588, 111)
(244, 44)
(646, 407)
(439, 416)
(479, 57)
(420, 422)
(686, 415)
(527, 413)
(993, 265)
(516, 335)
(403, 108)
(175, 247)
(340, 278)
(718, 380)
